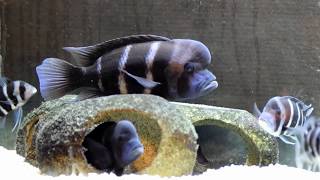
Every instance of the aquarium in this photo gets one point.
(204, 87)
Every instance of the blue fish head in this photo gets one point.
(187, 73)
(126, 143)
(196, 84)
(273, 113)
(268, 122)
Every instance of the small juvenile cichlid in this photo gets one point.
(172, 68)
(308, 145)
(113, 146)
(281, 115)
(13, 95)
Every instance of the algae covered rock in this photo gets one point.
(262, 148)
(52, 135)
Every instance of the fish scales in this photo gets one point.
(173, 69)
(282, 115)
(13, 95)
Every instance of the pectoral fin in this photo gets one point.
(17, 117)
(308, 110)
(288, 139)
(142, 81)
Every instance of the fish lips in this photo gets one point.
(137, 151)
(131, 154)
(266, 124)
(209, 86)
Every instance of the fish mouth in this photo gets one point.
(137, 151)
(265, 126)
(209, 86)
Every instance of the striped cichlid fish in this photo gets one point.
(308, 145)
(13, 95)
(149, 64)
(283, 114)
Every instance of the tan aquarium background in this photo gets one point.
(260, 48)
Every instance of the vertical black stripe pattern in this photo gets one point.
(160, 64)
(22, 90)
(136, 65)
(295, 117)
(110, 72)
(10, 90)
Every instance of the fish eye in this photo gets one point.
(188, 67)
(121, 138)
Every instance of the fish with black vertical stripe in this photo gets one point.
(281, 115)
(13, 95)
(308, 145)
(175, 69)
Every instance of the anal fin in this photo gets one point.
(17, 117)
(288, 139)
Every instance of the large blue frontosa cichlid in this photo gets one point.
(112, 146)
(172, 68)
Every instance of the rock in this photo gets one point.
(262, 148)
(52, 134)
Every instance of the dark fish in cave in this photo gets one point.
(175, 69)
(308, 145)
(113, 146)
(281, 115)
(13, 95)
(97, 155)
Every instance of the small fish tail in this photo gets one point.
(57, 78)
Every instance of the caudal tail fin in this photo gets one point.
(57, 78)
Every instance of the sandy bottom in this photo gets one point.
(13, 166)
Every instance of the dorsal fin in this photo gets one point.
(308, 110)
(4, 81)
(86, 56)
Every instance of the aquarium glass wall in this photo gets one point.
(260, 49)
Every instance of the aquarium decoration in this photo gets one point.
(51, 136)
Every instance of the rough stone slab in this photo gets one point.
(262, 148)
(52, 134)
